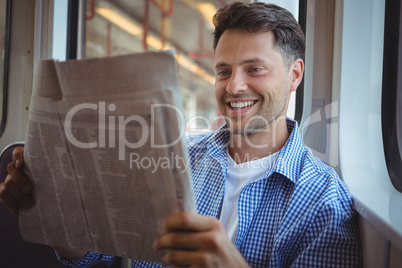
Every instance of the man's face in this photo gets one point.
(252, 83)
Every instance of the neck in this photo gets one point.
(267, 141)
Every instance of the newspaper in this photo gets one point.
(105, 154)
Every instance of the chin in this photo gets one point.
(247, 131)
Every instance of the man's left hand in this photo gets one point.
(193, 240)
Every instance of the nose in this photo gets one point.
(236, 84)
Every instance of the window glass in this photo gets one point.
(118, 27)
(60, 30)
(361, 151)
(3, 10)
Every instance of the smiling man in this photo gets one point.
(276, 203)
(263, 199)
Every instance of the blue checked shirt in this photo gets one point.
(298, 214)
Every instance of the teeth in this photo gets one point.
(239, 105)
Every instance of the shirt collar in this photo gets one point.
(218, 142)
(289, 158)
(289, 161)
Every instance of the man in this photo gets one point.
(277, 205)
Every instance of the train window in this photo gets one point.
(392, 92)
(123, 26)
(5, 12)
(361, 71)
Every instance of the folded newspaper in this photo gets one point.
(106, 155)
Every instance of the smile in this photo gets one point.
(239, 105)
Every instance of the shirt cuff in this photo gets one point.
(91, 258)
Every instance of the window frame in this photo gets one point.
(391, 90)
(72, 29)
(6, 66)
(300, 90)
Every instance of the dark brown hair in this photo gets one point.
(261, 17)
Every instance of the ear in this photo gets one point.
(296, 74)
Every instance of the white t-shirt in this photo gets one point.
(239, 175)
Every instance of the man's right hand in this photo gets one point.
(15, 190)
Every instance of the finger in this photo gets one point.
(22, 198)
(18, 157)
(8, 200)
(191, 222)
(182, 258)
(18, 177)
(178, 240)
(211, 241)
(178, 258)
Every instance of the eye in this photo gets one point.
(223, 73)
(254, 70)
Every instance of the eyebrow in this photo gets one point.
(247, 61)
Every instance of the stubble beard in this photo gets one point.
(264, 120)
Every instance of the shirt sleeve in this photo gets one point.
(90, 259)
(332, 239)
